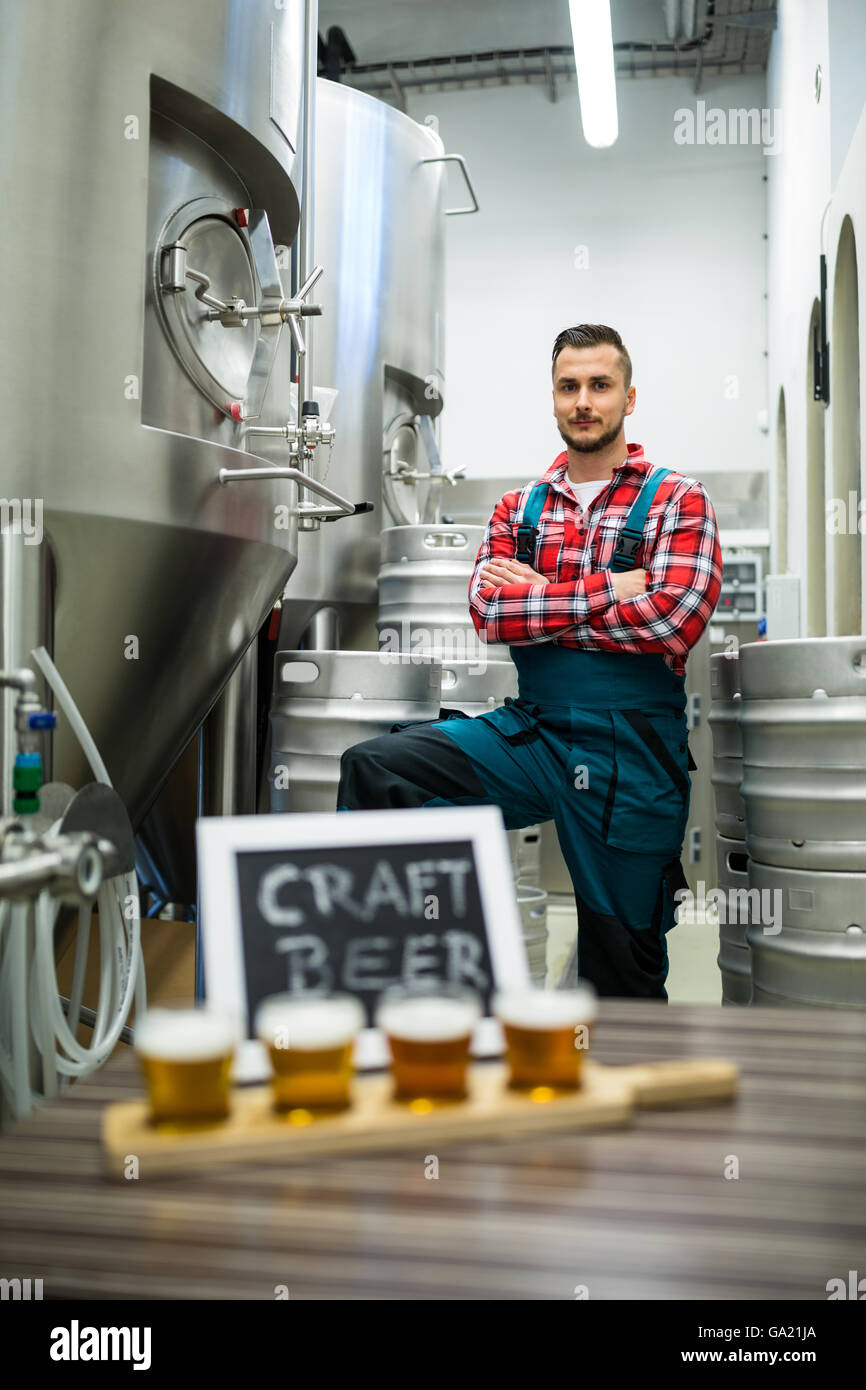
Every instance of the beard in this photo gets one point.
(592, 446)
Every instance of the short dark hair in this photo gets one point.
(590, 335)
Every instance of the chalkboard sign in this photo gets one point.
(354, 902)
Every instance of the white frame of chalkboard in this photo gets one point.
(219, 839)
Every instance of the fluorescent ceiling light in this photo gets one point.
(596, 80)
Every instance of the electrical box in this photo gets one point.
(742, 575)
(783, 606)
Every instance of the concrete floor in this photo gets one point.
(692, 949)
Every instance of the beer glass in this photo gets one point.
(185, 1052)
(429, 1030)
(546, 1034)
(310, 1045)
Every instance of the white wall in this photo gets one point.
(676, 263)
(819, 140)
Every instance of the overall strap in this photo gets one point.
(632, 532)
(630, 538)
(528, 528)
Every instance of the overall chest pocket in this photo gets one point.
(549, 541)
(649, 805)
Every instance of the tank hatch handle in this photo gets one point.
(456, 159)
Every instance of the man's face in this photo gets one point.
(590, 401)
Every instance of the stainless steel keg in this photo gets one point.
(526, 852)
(814, 899)
(532, 902)
(326, 701)
(803, 726)
(819, 956)
(478, 686)
(724, 721)
(424, 591)
(726, 779)
(724, 716)
(798, 969)
(733, 958)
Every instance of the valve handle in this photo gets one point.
(46, 719)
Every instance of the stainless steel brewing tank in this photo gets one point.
(803, 726)
(111, 120)
(324, 702)
(380, 233)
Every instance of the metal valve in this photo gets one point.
(409, 474)
(71, 865)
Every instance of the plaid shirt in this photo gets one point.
(578, 608)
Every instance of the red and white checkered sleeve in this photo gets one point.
(684, 580)
(523, 613)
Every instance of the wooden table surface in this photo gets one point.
(641, 1212)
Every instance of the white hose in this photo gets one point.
(121, 972)
(82, 945)
(17, 948)
(113, 1007)
(7, 1074)
(70, 710)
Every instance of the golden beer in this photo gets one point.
(546, 1035)
(429, 1033)
(310, 1045)
(186, 1055)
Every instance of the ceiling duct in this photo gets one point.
(716, 38)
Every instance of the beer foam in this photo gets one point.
(545, 1008)
(306, 1025)
(184, 1035)
(428, 1020)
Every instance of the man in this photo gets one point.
(600, 577)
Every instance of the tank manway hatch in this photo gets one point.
(217, 285)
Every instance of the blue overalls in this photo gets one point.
(596, 741)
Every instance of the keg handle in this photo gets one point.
(445, 539)
(305, 662)
(858, 661)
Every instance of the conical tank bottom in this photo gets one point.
(150, 622)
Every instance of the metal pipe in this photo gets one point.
(67, 863)
(35, 872)
(227, 765)
(672, 19)
(323, 633)
(228, 749)
(251, 475)
(26, 621)
(306, 235)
